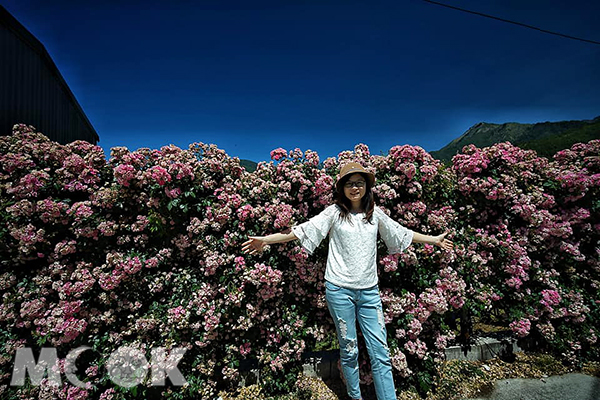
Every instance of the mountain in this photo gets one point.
(545, 137)
(249, 165)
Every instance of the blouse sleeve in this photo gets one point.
(396, 237)
(313, 231)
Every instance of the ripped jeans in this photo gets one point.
(346, 306)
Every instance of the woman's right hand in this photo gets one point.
(254, 245)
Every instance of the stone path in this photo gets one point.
(573, 386)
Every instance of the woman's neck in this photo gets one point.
(356, 208)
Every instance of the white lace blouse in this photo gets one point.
(352, 256)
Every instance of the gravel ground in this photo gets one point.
(462, 380)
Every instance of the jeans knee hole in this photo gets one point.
(380, 318)
(343, 328)
(351, 347)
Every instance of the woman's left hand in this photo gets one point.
(442, 242)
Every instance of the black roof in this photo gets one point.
(26, 37)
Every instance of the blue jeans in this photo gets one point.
(346, 306)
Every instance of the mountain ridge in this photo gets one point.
(544, 137)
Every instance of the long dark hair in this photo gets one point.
(367, 202)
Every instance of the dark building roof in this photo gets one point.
(32, 90)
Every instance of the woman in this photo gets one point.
(351, 280)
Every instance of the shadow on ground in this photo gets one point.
(338, 387)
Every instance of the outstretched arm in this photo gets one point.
(435, 240)
(256, 243)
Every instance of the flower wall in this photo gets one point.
(145, 251)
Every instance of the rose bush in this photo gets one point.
(144, 251)
(535, 242)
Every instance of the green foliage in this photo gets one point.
(278, 381)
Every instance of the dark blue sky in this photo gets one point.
(251, 76)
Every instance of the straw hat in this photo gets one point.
(353, 168)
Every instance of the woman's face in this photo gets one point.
(355, 188)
